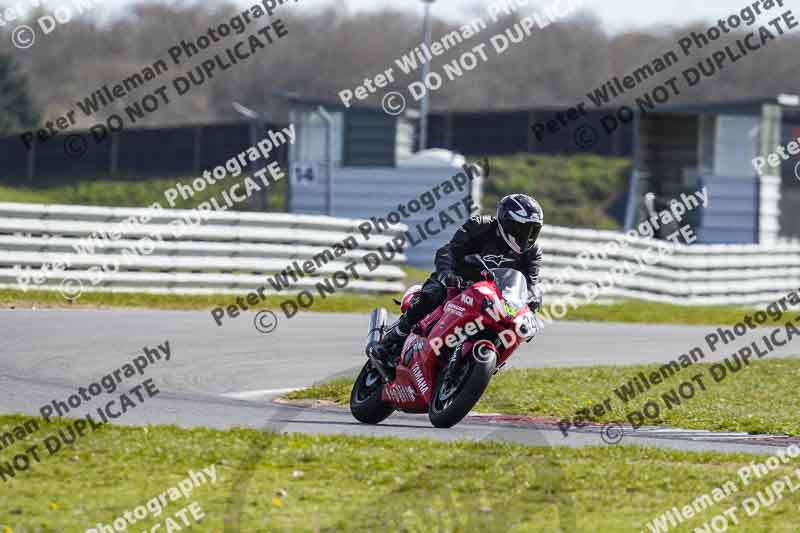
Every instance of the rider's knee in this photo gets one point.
(434, 292)
(431, 296)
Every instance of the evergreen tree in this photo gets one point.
(17, 112)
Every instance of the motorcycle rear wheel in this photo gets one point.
(454, 398)
(365, 398)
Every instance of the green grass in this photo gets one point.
(630, 311)
(346, 303)
(574, 191)
(636, 311)
(302, 483)
(760, 398)
(139, 193)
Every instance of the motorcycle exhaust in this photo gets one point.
(377, 324)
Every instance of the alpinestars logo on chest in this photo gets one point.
(498, 260)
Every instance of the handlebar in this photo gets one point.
(460, 285)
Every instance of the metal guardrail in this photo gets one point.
(234, 251)
(739, 274)
(230, 252)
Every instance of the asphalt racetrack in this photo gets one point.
(226, 376)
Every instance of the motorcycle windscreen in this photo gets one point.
(513, 287)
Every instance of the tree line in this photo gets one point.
(334, 48)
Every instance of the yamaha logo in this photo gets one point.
(419, 379)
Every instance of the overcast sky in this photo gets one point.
(615, 15)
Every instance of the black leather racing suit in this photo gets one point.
(478, 235)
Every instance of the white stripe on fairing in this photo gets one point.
(250, 394)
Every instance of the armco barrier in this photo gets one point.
(236, 251)
(741, 275)
(229, 253)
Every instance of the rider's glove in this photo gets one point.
(449, 279)
(535, 298)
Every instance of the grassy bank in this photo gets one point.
(758, 398)
(574, 191)
(629, 312)
(134, 193)
(294, 483)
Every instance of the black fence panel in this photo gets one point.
(153, 152)
(543, 131)
(130, 154)
(220, 143)
(150, 153)
(13, 158)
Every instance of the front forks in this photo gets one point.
(451, 363)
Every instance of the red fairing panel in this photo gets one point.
(412, 387)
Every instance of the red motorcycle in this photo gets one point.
(451, 355)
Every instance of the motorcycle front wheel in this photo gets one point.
(365, 398)
(455, 396)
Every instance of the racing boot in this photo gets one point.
(389, 347)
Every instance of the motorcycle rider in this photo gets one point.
(507, 240)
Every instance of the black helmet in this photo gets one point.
(519, 220)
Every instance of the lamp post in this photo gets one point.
(257, 124)
(426, 36)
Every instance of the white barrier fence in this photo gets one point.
(741, 275)
(46, 246)
(236, 251)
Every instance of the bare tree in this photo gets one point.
(336, 48)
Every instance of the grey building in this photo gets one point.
(359, 163)
(683, 148)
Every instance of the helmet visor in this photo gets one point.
(524, 233)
